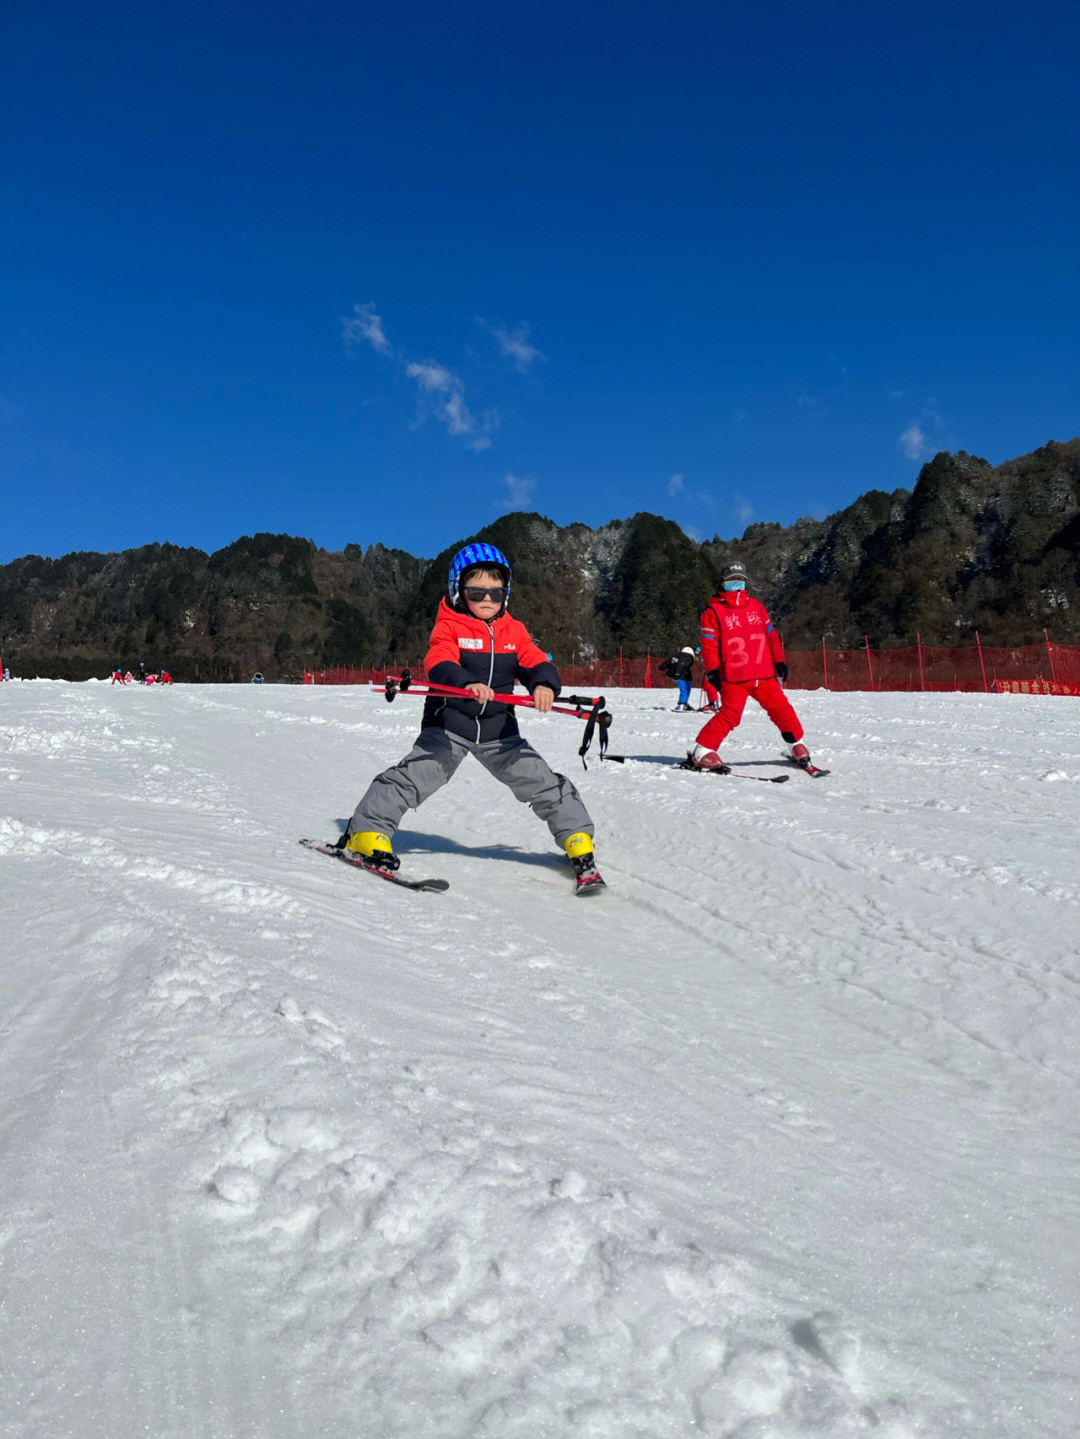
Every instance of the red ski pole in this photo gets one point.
(590, 708)
(583, 704)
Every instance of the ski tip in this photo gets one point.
(597, 886)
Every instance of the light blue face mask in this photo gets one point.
(734, 584)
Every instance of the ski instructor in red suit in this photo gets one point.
(743, 656)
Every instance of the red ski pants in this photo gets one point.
(733, 697)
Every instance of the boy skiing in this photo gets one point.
(680, 668)
(743, 656)
(476, 645)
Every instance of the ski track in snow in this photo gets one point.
(777, 1137)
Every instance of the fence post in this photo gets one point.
(982, 666)
(825, 661)
(869, 664)
(620, 668)
(1050, 654)
(918, 646)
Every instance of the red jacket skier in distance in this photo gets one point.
(739, 639)
(743, 652)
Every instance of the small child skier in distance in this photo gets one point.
(477, 646)
(680, 668)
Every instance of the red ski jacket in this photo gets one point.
(738, 638)
(463, 650)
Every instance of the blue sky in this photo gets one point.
(382, 273)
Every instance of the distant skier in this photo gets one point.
(743, 656)
(477, 646)
(680, 667)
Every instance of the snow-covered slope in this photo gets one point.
(778, 1137)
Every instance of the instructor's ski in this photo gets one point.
(807, 768)
(732, 774)
(356, 861)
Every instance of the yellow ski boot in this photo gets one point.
(579, 851)
(374, 847)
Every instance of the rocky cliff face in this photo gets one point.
(971, 547)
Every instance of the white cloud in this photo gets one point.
(445, 395)
(514, 344)
(432, 377)
(520, 491)
(365, 325)
(925, 433)
(913, 442)
(441, 391)
(676, 489)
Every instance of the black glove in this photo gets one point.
(715, 678)
(781, 672)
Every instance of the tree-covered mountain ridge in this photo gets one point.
(971, 547)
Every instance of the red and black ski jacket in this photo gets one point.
(463, 650)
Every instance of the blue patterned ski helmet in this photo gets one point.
(469, 558)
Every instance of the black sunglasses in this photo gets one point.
(476, 593)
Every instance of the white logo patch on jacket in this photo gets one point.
(470, 643)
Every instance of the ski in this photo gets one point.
(731, 774)
(589, 886)
(356, 861)
(807, 768)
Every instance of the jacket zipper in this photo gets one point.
(491, 671)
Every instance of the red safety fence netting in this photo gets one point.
(934, 667)
(1046, 668)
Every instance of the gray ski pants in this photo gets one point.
(435, 757)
